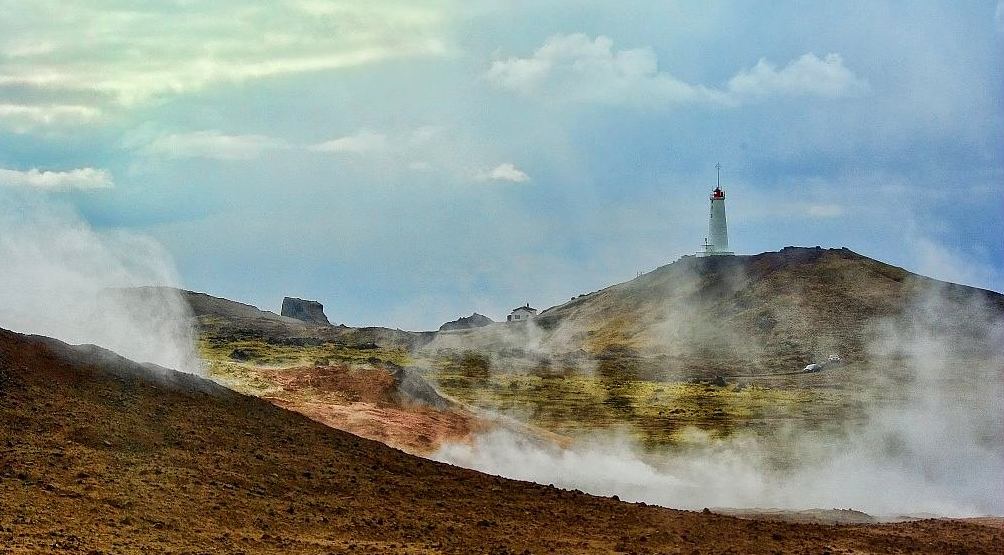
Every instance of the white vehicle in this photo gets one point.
(813, 368)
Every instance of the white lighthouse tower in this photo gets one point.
(717, 242)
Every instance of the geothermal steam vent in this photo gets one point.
(311, 312)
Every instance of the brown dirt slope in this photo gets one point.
(100, 455)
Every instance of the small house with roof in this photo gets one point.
(522, 313)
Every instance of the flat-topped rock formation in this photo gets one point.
(304, 310)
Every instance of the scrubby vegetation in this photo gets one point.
(655, 413)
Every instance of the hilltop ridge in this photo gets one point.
(769, 312)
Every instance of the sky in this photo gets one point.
(406, 163)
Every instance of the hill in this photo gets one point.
(233, 321)
(349, 378)
(475, 320)
(100, 454)
(720, 344)
(737, 315)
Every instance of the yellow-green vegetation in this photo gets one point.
(235, 362)
(655, 413)
(565, 398)
(262, 353)
(241, 378)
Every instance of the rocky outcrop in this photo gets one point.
(311, 312)
(412, 388)
(467, 322)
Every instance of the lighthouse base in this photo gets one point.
(702, 254)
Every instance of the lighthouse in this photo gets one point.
(717, 241)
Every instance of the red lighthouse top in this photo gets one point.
(718, 193)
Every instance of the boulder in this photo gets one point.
(311, 312)
(467, 322)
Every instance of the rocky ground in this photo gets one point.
(100, 455)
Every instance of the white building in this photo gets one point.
(718, 230)
(522, 313)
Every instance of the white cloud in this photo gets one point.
(212, 144)
(22, 118)
(405, 147)
(504, 172)
(808, 75)
(825, 210)
(421, 150)
(80, 178)
(425, 133)
(362, 142)
(110, 56)
(575, 67)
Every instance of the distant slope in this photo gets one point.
(351, 379)
(475, 320)
(232, 320)
(99, 454)
(770, 312)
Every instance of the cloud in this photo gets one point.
(23, 118)
(578, 68)
(80, 178)
(212, 144)
(504, 172)
(424, 134)
(109, 56)
(575, 67)
(808, 75)
(362, 142)
(419, 149)
(825, 210)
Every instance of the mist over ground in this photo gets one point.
(929, 439)
(59, 278)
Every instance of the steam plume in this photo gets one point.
(929, 437)
(59, 278)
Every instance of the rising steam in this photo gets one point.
(59, 279)
(929, 437)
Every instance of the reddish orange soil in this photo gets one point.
(365, 402)
(107, 457)
(416, 430)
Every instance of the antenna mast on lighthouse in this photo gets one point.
(718, 231)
